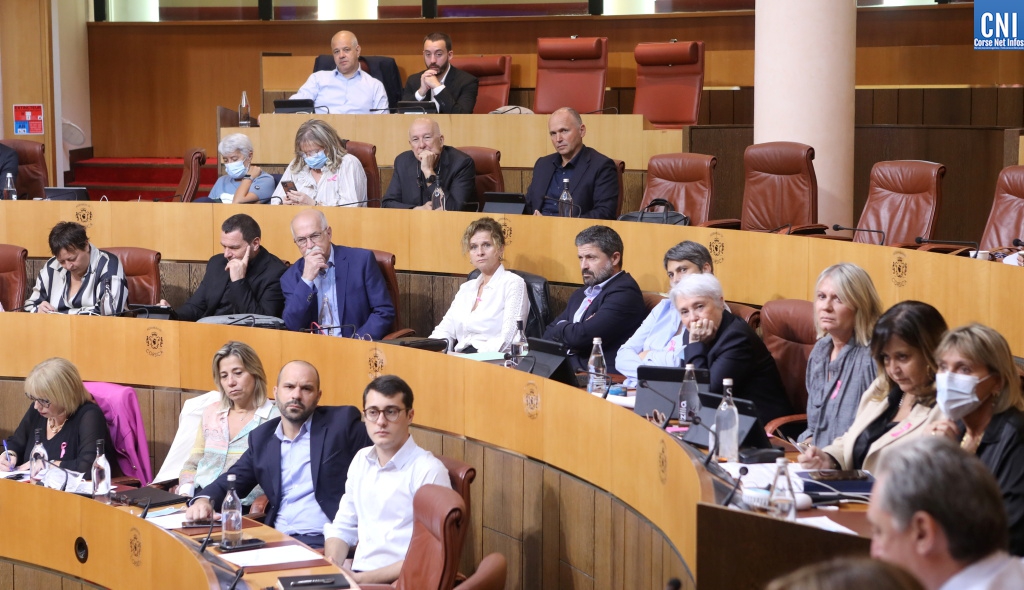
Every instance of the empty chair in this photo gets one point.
(32, 174)
(488, 170)
(366, 153)
(189, 184)
(386, 263)
(903, 201)
(669, 80)
(1005, 219)
(571, 73)
(494, 73)
(687, 181)
(539, 292)
(787, 328)
(141, 273)
(13, 278)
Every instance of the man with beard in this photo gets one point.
(610, 306)
(300, 459)
(451, 89)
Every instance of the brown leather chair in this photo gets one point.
(488, 170)
(620, 171)
(141, 273)
(489, 575)
(1005, 220)
(367, 155)
(461, 476)
(386, 263)
(903, 201)
(32, 174)
(13, 278)
(189, 184)
(669, 80)
(571, 73)
(687, 181)
(652, 299)
(494, 73)
(787, 327)
(432, 561)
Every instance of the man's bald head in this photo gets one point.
(303, 366)
(345, 49)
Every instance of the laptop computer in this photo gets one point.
(504, 203)
(417, 107)
(154, 312)
(66, 193)
(156, 496)
(549, 360)
(299, 105)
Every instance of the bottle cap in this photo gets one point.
(231, 477)
(727, 382)
(690, 367)
(782, 461)
(597, 340)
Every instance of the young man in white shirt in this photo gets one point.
(375, 513)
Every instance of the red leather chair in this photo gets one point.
(13, 278)
(1005, 220)
(620, 171)
(32, 174)
(903, 201)
(386, 263)
(669, 80)
(141, 273)
(489, 575)
(367, 155)
(787, 328)
(571, 73)
(488, 170)
(189, 184)
(494, 73)
(687, 181)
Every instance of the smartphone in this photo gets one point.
(242, 545)
(288, 186)
(838, 475)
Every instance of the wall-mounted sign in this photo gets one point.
(28, 119)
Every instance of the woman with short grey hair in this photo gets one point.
(243, 181)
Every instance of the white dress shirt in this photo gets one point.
(344, 186)
(375, 514)
(492, 325)
(334, 94)
(998, 571)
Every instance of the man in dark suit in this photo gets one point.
(339, 288)
(430, 165)
(610, 306)
(725, 345)
(451, 89)
(300, 460)
(246, 278)
(8, 164)
(593, 180)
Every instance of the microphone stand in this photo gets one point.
(695, 419)
(736, 486)
(881, 242)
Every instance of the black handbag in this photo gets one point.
(667, 217)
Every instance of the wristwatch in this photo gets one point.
(432, 179)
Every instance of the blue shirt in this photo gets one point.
(550, 204)
(325, 285)
(300, 514)
(262, 186)
(589, 294)
(660, 335)
(332, 93)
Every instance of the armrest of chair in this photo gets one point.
(807, 230)
(376, 587)
(771, 427)
(954, 249)
(258, 510)
(905, 245)
(403, 333)
(721, 224)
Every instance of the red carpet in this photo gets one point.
(128, 179)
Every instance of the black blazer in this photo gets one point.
(259, 292)
(613, 316)
(1002, 451)
(594, 185)
(9, 163)
(408, 188)
(737, 353)
(336, 434)
(458, 96)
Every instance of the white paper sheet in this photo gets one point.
(271, 556)
(168, 521)
(826, 523)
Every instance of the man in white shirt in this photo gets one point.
(937, 512)
(375, 513)
(347, 89)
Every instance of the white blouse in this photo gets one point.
(492, 325)
(344, 186)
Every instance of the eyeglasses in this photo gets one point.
(43, 402)
(390, 412)
(311, 238)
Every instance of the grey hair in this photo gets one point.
(236, 142)
(691, 252)
(933, 475)
(698, 285)
(320, 216)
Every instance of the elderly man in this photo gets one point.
(243, 181)
(610, 306)
(346, 90)
(938, 512)
(716, 340)
(431, 165)
(593, 180)
(451, 89)
(246, 278)
(339, 289)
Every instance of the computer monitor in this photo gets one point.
(299, 105)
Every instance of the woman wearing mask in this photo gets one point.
(243, 182)
(322, 173)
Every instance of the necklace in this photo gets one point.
(51, 423)
(242, 414)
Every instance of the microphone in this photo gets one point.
(505, 110)
(520, 363)
(920, 240)
(209, 534)
(17, 308)
(604, 110)
(607, 380)
(238, 576)
(323, 329)
(64, 485)
(360, 203)
(1018, 242)
(695, 419)
(736, 486)
(246, 318)
(838, 227)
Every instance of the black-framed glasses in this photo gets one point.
(311, 238)
(43, 402)
(391, 413)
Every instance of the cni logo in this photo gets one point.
(135, 546)
(900, 269)
(531, 400)
(154, 341)
(717, 247)
(997, 24)
(83, 215)
(376, 363)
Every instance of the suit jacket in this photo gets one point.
(9, 162)
(384, 69)
(458, 96)
(408, 188)
(616, 312)
(594, 185)
(259, 292)
(363, 297)
(335, 435)
(736, 352)
(1002, 451)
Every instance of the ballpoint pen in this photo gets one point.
(7, 454)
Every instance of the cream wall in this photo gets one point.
(71, 92)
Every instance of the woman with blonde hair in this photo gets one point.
(323, 172)
(67, 417)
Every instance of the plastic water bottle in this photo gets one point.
(565, 200)
(437, 197)
(107, 301)
(243, 111)
(782, 500)
(727, 425)
(689, 401)
(520, 344)
(101, 475)
(10, 193)
(38, 458)
(597, 384)
(231, 516)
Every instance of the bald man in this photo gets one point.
(300, 459)
(430, 165)
(345, 90)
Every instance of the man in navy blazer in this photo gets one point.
(593, 180)
(336, 287)
(724, 344)
(451, 89)
(300, 459)
(610, 306)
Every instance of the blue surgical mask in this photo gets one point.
(236, 169)
(316, 161)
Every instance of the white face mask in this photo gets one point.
(957, 394)
(235, 169)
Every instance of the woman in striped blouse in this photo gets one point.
(80, 278)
